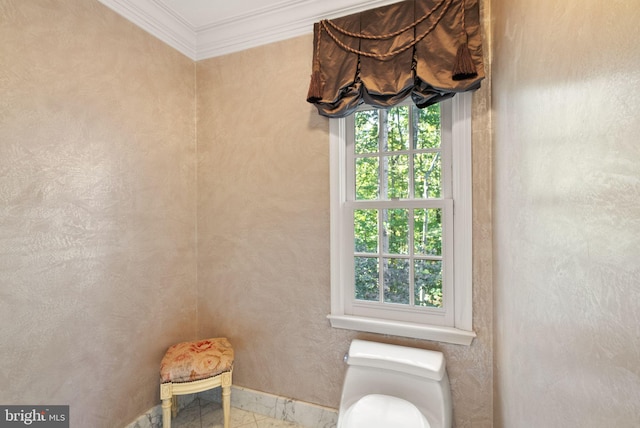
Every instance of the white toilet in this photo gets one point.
(389, 386)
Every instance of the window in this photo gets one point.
(401, 221)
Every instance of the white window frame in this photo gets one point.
(453, 324)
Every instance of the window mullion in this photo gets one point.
(412, 147)
(411, 244)
(381, 253)
(383, 192)
(410, 214)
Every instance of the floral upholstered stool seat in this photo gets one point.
(191, 367)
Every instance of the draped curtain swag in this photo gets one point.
(429, 49)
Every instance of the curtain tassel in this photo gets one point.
(464, 68)
(315, 87)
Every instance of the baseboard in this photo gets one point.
(152, 418)
(283, 408)
(274, 406)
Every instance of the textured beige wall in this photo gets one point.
(98, 201)
(97, 209)
(263, 234)
(567, 213)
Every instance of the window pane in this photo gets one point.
(395, 236)
(397, 129)
(396, 171)
(366, 279)
(428, 283)
(427, 231)
(396, 281)
(367, 178)
(427, 127)
(365, 225)
(366, 140)
(428, 175)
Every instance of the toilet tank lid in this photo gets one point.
(418, 362)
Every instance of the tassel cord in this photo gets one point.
(463, 67)
(316, 87)
(382, 57)
(385, 36)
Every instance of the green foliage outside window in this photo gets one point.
(397, 157)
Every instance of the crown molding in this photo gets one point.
(256, 27)
(159, 21)
(270, 24)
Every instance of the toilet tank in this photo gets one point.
(416, 375)
(413, 361)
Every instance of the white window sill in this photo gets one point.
(404, 329)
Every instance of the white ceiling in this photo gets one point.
(206, 28)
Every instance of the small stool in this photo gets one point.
(191, 367)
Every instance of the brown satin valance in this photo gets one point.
(429, 49)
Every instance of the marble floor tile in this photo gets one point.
(206, 414)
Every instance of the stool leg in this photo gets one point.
(226, 404)
(174, 406)
(226, 397)
(166, 394)
(166, 413)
